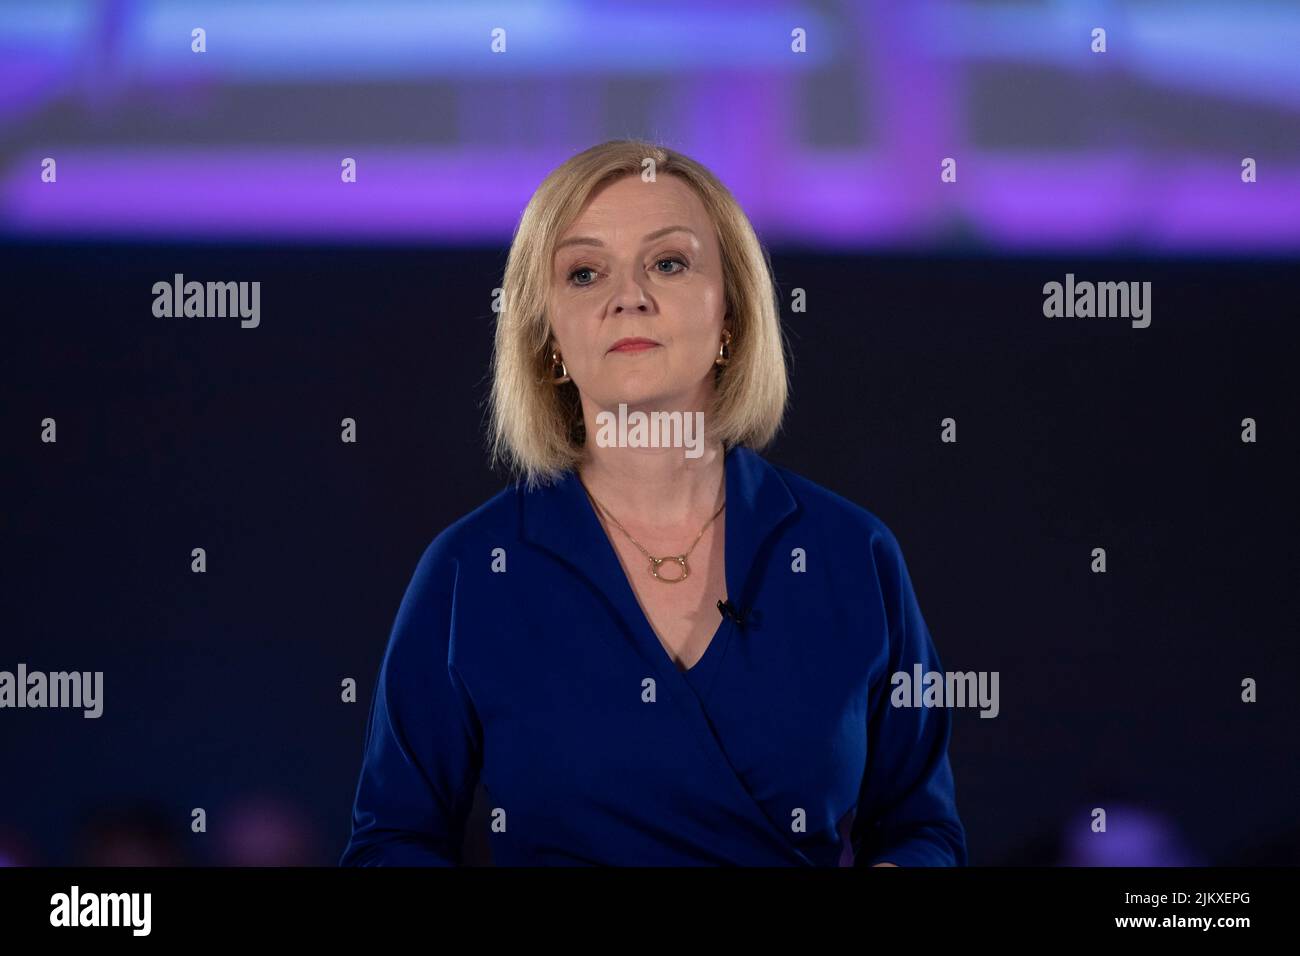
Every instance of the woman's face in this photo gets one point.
(640, 261)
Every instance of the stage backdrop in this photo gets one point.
(919, 173)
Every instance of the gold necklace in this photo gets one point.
(655, 563)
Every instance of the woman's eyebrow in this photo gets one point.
(590, 241)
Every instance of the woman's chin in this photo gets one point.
(634, 390)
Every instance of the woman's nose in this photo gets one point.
(630, 297)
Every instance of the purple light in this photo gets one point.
(1058, 201)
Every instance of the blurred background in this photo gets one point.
(837, 147)
(830, 122)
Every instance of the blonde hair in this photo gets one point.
(536, 428)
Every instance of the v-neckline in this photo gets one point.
(697, 672)
(702, 674)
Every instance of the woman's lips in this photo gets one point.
(638, 346)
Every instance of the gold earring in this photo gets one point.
(724, 350)
(561, 375)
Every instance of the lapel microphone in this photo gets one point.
(730, 611)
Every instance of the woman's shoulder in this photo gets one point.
(856, 532)
(494, 522)
(824, 507)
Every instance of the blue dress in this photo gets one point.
(520, 657)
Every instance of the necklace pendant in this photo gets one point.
(679, 559)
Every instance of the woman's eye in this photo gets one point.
(585, 275)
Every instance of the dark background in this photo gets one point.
(222, 690)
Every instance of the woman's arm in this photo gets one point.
(423, 744)
(907, 812)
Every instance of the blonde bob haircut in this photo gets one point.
(536, 427)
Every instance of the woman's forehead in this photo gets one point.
(644, 205)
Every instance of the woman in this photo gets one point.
(652, 654)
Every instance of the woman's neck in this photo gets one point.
(656, 489)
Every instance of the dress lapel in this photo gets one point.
(559, 519)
